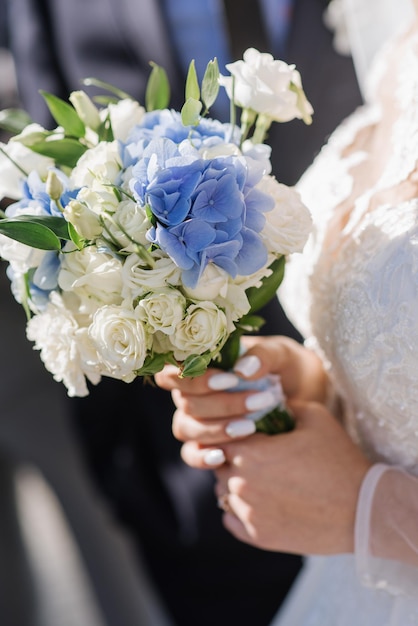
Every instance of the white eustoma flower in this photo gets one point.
(138, 279)
(55, 334)
(204, 328)
(124, 115)
(16, 161)
(267, 86)
(162, 310)
(120, 339)
(289, 224)
(97, 165)
(94, 276)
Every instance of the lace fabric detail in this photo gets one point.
(359, 297)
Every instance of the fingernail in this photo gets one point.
(240, 428)
(226, 380)
(262, 400)
(248, 365)
(214, 457)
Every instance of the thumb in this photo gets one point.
(263, 355)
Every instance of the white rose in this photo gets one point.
(267, 86)
(94, 276)
(14, 156)
(162, 310)
(86, 222)
(120, 339)
(101, 163)
(289, 224)
(128, 222)
(55, 334)
(212, 283)
(204, 328)
(124, 116)
(138, 279)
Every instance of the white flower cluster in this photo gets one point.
(109, 302)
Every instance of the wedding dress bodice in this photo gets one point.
(353, 294)
(358, 296)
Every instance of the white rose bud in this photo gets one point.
(86, 222)
(53, 186)
(86, 109)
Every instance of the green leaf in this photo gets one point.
(259, 297)
(190, 113)
(154, 363)
(192, 84)
(30, 233)
(65, 115)
(230, 351)
(64, 151)
(58, 225)
(14, 120)
(251, 323)
(77, 240)
(95, 82)
(157, 94)
(210, 84)
(195, 365)
(105, 131)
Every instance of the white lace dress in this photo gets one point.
(356, 301)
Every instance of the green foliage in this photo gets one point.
(43, 232)
(210, 84)
(30, 233)
(65, 115)
(65, 151)
(157, 94)
(14, 120)
(195, 365)
(259, 297)
(190, 112)
(192, 85)
(96, 82)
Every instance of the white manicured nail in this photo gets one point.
(248, 365)
(262, 400)
(226, 380)
(214, 457)
(240, 428)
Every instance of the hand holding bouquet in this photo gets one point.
(138, 237)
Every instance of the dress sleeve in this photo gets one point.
(386, 532)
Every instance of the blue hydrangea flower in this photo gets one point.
(204, 210)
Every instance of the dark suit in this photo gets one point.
(125, 430)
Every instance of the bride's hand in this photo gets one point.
(295, 492)
(208, 414)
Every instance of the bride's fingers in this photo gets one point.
(212, 380)
(202, 458)
(210, 431)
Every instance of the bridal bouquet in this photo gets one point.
(140, 236)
